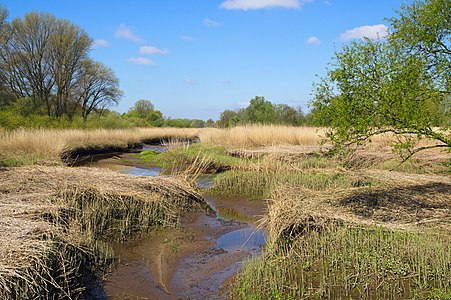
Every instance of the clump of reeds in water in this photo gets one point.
(388, 241)
(340, 262)
(55, 225)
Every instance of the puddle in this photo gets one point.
(205, 181)
(158, 149)
(154, 171)
(249, 239)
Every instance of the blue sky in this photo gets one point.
(196, 58)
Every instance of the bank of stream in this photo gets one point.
(195, 261)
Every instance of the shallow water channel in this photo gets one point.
(196, 261)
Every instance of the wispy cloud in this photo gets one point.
(313, 40)
(140, 61)
(101, 43)
(190, 81)
(153, 50)
(125, 32)
(260, 4)
(378, 31)
(211, 23)
(186, 38)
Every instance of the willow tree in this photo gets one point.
(379, 86)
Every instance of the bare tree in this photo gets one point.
(25, 57)
(97, 87)
(69, 47)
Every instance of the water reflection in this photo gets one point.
(154, 171)
(249, 239)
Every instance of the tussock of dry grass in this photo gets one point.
(403, 201)
(262, 135)
(52, 220)
(26, 146)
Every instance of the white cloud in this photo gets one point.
(186, 38)
(190, 81)
(153, 50)
(313, 40)
(211, 23)
(125, 32)
(378, 31)
(101, 43)
(260, 4)
(140, 61)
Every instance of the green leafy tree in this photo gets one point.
(144, 113)
(259, 111)
(375, 87)
(228, 118)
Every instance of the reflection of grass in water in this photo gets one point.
(339, 262)
(232, 214)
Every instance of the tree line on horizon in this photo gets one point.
(47, 79)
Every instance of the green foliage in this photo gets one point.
(149, 156)
(387, 86)
(261, 111)
(184, 123)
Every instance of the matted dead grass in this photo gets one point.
(400, 201)
(53, 219)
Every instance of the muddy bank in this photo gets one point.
(190, 262)
(193, 261)
(82, 155)
(56, 223)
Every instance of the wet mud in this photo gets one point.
(193, 262)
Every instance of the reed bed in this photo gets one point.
(28, 146)
(351, 263)
(56, 222)
(390, 241)
(262, 135)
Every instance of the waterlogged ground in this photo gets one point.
(194, 262)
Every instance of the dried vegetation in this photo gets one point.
(55, 223)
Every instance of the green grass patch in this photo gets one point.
(257, 184)
(351, 263)
(184, 156)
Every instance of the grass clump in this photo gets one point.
(339, 262)
(258, 184)
(185, 155)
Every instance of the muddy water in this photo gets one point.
(193, 262)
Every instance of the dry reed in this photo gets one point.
(262, 135)
(28, 146)
(54, 222)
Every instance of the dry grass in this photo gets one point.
(53, 221)
(262, 135)
(402, 201)
(28, 146)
